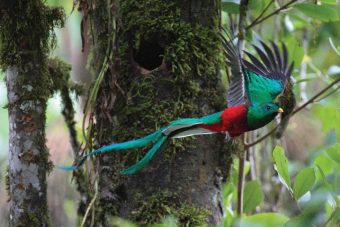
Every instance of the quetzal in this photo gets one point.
(251, 103)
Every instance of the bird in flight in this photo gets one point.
(252, 102)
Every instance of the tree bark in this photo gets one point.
(185, 178)
(28, 164)
(25, 41)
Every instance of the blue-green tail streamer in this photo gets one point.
(142, 142)
(157, 138)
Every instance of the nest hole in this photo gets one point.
(149, 55)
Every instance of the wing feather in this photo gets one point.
(278, 56)
(274, 63)
(257, 63)
(270, 55)
(266, 76)
(264, 58)
(285, 57)
(236, 92)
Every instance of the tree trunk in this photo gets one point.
(28, 156)
(168, 53)
(25, 31)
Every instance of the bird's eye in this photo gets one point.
(268, 107)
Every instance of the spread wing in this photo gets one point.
(274, 64)
(260, 79)
(236, 92)
(265, 79)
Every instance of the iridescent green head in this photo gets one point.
(260, 115)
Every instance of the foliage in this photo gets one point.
(301, 191)
(307, 194)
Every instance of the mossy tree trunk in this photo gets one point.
(168, 54)
(25, 29)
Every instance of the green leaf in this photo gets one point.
(337, 123)
(231, 7)
(334, 153)
(299, 22)
(264, 220)
(257, 6)
(116, 221)
(304, 182)
(295, 50)
(331, 2)
(281, 166)
(322, 12)
(300, 220)
(324, 163)
(329, 116)
(253, 195)
(335, 217)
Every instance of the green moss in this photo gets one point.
(59, 72)
(192, 53)
(26, 28)
(153, 209)
(26, 38)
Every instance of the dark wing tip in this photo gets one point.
(274, 61)
(256, 63)
(289, 70)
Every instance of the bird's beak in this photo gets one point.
(280, 110)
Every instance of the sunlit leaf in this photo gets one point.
(231, 6)
(337, 123)
(295, 50)
(324, 163)
(319, 12)
(335, 217)
(253, 195)
(228, 218)
(257, 6)
(304, 182)
(228, 190)
(331, 2)
(281, 166)
(116, 221)
(264, 220)
(299, 22)
(334, 153)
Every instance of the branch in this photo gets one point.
(240, 183)
(263, 12)
(329, 94)
(258, 21)
(241, 31)
(311, 100)
(83, 222)
(316, 96)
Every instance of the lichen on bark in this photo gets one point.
(25, 37)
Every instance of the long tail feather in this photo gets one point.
(176, 129)
(117, 146)
(146, 159)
